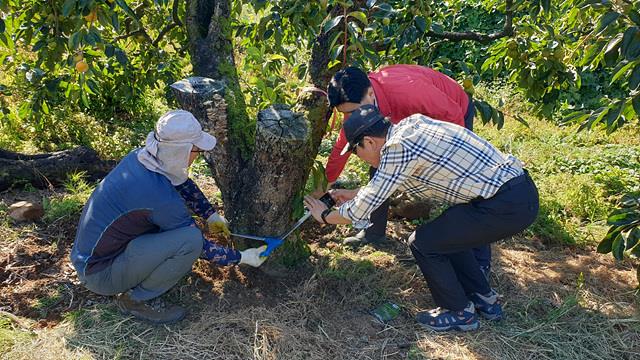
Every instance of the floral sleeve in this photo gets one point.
(194, 198)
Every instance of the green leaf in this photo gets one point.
(613, 43)
(606, 20)
(332, 23)
(274, 57)
(631, 43)
(24, 111)
(254, 52)
(611, 51)
(620, 70)
(67, 7)
(624, 218)
(546, 5)
(44, 107)
(421, 23)
(123, 5)
(634, 79)
(115, 22)
(498, 117)
(109, 50)
(484, 109)
(632, 238)
(634, 16)
(635, 102)
(6, 40)
(362, 17)
(74, 41)
(336, 52)
(613, 115)
(121, 57)
(617, 247)
(84, 98)
(606, 244)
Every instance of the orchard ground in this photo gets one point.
(562, 299)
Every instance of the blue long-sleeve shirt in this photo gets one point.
(131, 201)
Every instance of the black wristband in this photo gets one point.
(324, 214)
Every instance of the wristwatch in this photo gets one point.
(324, 214)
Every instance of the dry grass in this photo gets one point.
(561, 305)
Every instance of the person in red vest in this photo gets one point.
(398, 91)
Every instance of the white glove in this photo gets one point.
(252, 256)
(218, 224)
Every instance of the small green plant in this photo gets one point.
(10, 335)
(623, 237)
(61, 206)
(44, 304)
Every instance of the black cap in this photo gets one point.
(358, 122)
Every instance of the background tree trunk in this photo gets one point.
(260, 165)
(43, 170)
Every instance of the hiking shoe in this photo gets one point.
(489, 305)
(486, 271)
(361, 238)
(154, 311)
(444, 320)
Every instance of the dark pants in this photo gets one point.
(481, 253)
(442, 247)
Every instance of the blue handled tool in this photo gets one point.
(274, 242)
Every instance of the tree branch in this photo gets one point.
(141, 31)
(507, 30)
(176, 22)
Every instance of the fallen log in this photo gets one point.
(50, 169)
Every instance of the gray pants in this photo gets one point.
(150, 265)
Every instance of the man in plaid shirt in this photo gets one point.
(492, 197)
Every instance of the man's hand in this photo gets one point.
(343, 195)
(218, 224)
(315, 206)
(252, 256)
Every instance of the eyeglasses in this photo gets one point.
(354, 150)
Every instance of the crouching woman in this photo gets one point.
(137, 238)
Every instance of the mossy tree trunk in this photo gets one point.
(260, 165)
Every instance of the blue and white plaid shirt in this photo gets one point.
(436, 160)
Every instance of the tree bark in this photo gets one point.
(260, 165)
(44, 170)
(258, 193)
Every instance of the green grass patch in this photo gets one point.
(11, 335)
(346, 266)
(53, 298)
(70, 203)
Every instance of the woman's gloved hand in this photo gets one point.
(252, 256)
(218, 224)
